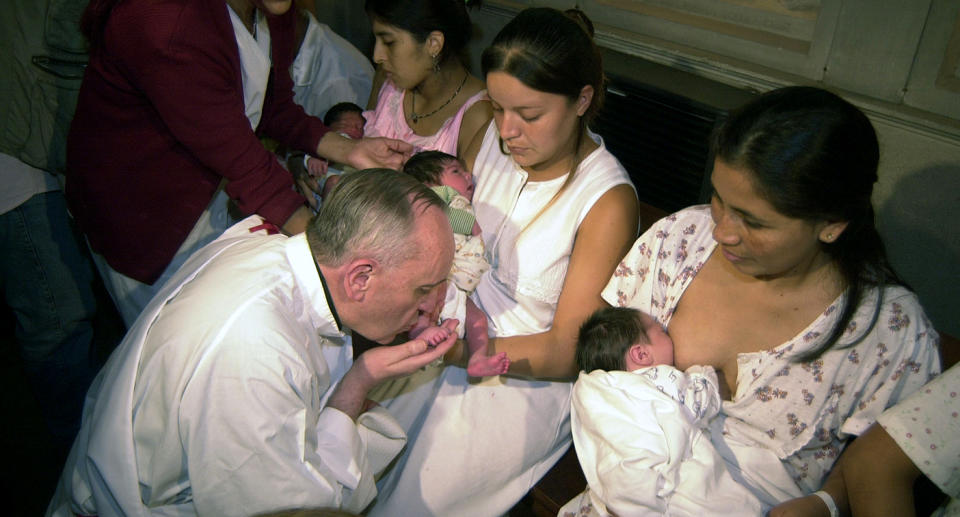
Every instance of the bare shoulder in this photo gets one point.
(618, 206)
(609, 229)
(475, 121)
(473, 85)
(468, 149)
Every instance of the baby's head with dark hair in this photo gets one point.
(337, 111)
(427, 166)
(439, 169)
(606, 336)
(621, 338)
(345, 117)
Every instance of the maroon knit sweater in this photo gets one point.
(160, 122)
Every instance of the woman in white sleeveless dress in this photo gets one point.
(557, 212)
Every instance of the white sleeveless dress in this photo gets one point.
(476, 447)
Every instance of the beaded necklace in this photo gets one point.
(415, 117)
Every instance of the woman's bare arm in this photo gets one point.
(872, 477)
(878, 475)
(811, 505)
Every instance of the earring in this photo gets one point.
(436, 63)
(829, 237)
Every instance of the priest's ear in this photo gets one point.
(359, 277)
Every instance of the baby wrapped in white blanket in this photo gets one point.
(641, 427)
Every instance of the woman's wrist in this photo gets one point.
(456, 356)
(829, 502)
(334, 147)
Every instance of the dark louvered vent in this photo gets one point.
(657, 121)
(662, 139)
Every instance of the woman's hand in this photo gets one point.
(364, 153)
(379, 152)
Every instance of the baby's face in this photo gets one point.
(457, 177)
(350, 123)
(656, 348)
(660, 344)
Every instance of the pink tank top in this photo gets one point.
(387, 120)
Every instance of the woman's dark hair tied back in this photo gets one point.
(813, 156)
(549, 51)
(421, 17)
(581, 18)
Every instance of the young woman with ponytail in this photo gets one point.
(557, 212)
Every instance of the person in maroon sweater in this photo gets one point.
(161, 128)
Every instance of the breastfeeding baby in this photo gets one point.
(641, 426)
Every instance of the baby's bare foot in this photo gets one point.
(434, 335)
(481, 365)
